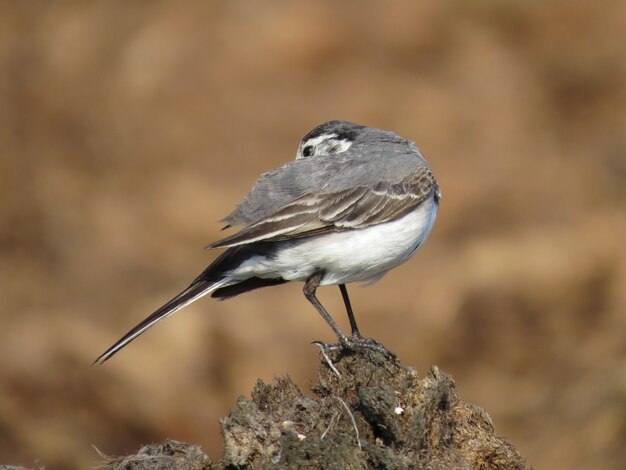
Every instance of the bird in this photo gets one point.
(355, 203)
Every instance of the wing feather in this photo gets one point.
(354, 208)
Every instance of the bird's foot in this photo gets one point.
(355, 343)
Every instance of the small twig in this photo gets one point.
(330, 425)
(101, 454)
(356, 430)
(330, 363)
(108, 461)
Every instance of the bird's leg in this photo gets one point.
(310, 286)
(346, 301)
(356, 341)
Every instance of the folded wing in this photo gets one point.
(354, 208)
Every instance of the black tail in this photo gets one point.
(232, 258)
(196, 290)
(214, 280)
(252, 283)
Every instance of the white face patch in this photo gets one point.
(325, 144)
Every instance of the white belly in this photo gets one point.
(351, 256)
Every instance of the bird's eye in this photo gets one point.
(307, 151)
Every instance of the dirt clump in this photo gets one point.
(368, 410)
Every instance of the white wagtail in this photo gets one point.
(355, 203)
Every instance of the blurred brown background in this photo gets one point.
(128, 129)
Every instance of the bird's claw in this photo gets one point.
(355, 343)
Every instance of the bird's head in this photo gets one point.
(330, 138)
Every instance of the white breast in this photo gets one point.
(351, 256)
